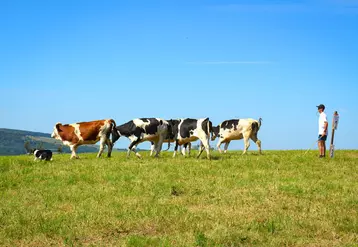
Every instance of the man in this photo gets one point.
(322, 131)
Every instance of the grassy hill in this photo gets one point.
(12, 142)
(281, 198)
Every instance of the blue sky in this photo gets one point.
(69, 61)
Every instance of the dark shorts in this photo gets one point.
(322, 138)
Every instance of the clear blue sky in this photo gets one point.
(68, 61)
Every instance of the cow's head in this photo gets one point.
(55, 134)
(215, 132)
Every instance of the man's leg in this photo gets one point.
(320, 146)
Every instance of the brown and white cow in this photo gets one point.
(237, 129)
(76, 134)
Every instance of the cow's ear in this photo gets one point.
(58, 127)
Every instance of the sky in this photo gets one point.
(80, 60)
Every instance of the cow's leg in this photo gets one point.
(226, 146)
(186, 148)
(205, 142)
(132, 147)
(201, 149)
(257, 141)
(157, 147)
(110, 147)
(219, 144)
(175, 148)
(73, 150)
(207, 148)
(101, 147)
(152, 147)
(246, 141)
(159, 144)
(134, 150)
(183, 148)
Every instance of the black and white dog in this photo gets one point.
(43, 154)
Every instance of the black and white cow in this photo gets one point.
(170, 139)
(140, 130)
(237, 129)
(188, 130)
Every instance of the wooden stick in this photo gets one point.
(334, 127)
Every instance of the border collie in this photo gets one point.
(43, 154)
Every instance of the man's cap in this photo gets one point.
(321, 106)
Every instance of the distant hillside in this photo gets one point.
(12, 142)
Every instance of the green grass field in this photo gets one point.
(278, 199)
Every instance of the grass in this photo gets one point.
(278, 199)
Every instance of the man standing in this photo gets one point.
(322, 131)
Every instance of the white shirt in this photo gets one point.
(322, 119)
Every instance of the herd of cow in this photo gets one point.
(156, 130)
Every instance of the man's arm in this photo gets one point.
(325, 128)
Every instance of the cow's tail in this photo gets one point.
(260, 122)
(113, 130)
(168, 145)
(207, 126)
(210, 129)
(168, 136)
(256, 125)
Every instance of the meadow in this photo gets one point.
(281, 198)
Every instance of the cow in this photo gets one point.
(237, 129)
(139, 130)
(188, 130)
(76, 134)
